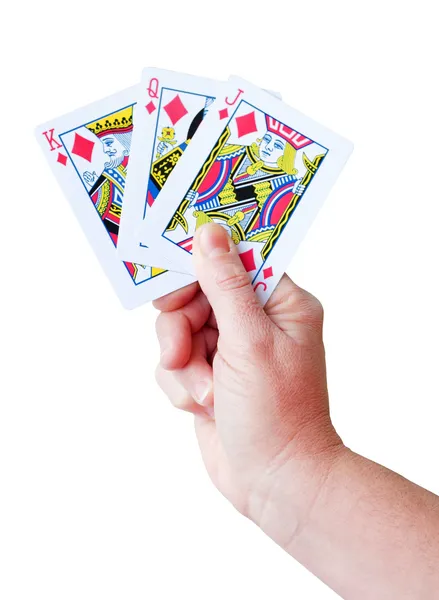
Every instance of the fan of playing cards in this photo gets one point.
(143, 169)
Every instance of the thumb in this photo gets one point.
(226, 284)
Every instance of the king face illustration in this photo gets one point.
(106, 190)
(114, 133)
(116, 147)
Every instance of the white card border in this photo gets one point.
(184, 174)
(130, 295)
(142, 147)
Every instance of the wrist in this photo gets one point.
(294, 481)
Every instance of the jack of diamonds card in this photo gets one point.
(261, 170)
(89, 151)
(169, 110)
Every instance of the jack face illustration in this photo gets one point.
(247, 188)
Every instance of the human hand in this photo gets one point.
(300, 188)
(255, 379)
(90, 178)
(192, 196)
(162, 147)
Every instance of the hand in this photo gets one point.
(192, 196)
(255, 380)
(90, 178)
(299, 189)
(162, 147)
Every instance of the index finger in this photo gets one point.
(176, 299)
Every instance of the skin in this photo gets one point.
(255, 379)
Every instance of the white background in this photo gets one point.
(103, 494)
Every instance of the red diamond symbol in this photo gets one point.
(268, 272)
(62, 158)
(246, 124)
(248, 260)
(223, 114)
(83, 147)
(175, 109)
(150, 107)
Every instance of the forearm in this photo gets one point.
(370, 533)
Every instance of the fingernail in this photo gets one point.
(214, 240)
(201, 391)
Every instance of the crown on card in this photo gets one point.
(294, 138)
(118, 122)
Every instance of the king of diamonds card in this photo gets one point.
(89, 152)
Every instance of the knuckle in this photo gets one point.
(168, 322)
(182, 402)
(313, 309)
(176, 395)
(229, 274)
(230, 278)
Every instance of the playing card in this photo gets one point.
(89, 151)
(259, 168)
(169, 110)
